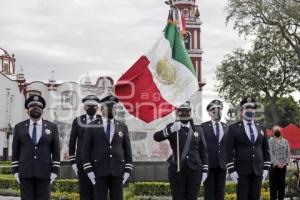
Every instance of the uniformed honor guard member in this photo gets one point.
(193, 162)
(248, 158)
(90, 102)
(107, 153)
(35, 152)
(215, 133)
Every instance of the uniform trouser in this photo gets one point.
(249, 187)
(277, 183)
(214, 186)
(35, 189)
(109, 183)
(185, 184)
(86, 188)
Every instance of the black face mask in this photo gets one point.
(184, 121)
(35, 113)
(91, 111)
(277, 133)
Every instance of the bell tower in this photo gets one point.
(192, 40)
(192, 37)
(7, 63)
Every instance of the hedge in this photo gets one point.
(9, 192)
(54, 195)
(67, 189)
(138, 188)
(8, 183)
(5, 162)
(163, 188)
(5, 169)
(63, 185)
(264, 196)
(64, 196)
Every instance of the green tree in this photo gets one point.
(288, 112)
(268, 71)
(274, 16)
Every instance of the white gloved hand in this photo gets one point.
(265, 174)
(204, 177)
(175, 127)
(92, 177)
(75, 169)
(125, 177)
(16, 175)
(234, 177)
(52, 177)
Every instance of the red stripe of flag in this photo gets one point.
(139, 93)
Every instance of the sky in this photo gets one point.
(73, 37)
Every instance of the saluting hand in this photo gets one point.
(175, 127)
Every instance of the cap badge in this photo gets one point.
(35, 98)
(196, 134)
(47, 131)
(120, 134)
(249, 99)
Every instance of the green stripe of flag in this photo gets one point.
(179, 52)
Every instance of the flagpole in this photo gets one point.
(170, 3)
(178, 153)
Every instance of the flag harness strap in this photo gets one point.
(187, 144)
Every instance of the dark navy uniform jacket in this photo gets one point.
(40, 160)
(196, 158)
(105, 158)
(216, 150)
(76, 139)
(243, 156)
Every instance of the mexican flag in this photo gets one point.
(160, 80)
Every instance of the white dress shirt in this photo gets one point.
(88, 118)
(247, 129)
(221, 131)
(187, 125)
(112, 127)
(39, 129)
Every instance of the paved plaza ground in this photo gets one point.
(9, 198)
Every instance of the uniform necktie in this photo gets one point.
(251, 133)
(34, 134)
(217, 131)
(108, 130)
(186, 129)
